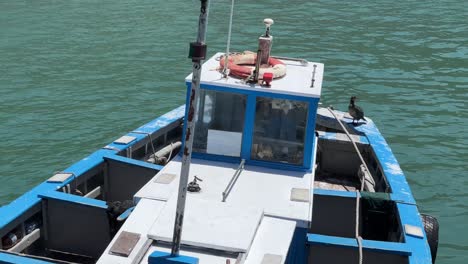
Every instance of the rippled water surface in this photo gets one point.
(74, 75)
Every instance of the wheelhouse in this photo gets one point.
(270, 126)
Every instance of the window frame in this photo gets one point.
(249, 123)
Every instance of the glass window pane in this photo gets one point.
(279, 131)
(220, 123)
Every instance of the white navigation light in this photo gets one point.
(268, 22)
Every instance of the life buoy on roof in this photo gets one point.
(242, 65)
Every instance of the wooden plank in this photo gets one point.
(27, 240)
(94, 193)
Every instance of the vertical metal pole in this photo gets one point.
(257, 66)
(189, 132)
(226, 58)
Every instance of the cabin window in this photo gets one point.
(279, 131)
(219, 123)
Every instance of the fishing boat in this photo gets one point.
(250, 170)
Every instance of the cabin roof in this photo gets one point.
(298, 79)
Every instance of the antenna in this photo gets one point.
(226, 57)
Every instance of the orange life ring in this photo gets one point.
(243, 64)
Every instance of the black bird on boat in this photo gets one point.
(355, 111)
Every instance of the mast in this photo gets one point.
(197, 53)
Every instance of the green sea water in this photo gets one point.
(77, 74)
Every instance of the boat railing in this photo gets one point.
(233, 180)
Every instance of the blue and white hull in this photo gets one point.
(78, 226)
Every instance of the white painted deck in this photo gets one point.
(260, 187)
(140, 222)
(273, 237)
(257, 218)
(297, 81)
(210, 224)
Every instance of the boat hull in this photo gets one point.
(68, 218)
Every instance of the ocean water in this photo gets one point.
(77, 74)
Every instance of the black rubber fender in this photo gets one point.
(431, 226)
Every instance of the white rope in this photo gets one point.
(358, 237)
(226, 61)
(355, 147)
(170, 154)
(358, 195)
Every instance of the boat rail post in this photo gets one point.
(197, 53)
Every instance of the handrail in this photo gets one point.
(233, 180)
(302, 61)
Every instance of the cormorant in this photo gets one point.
(355, 111)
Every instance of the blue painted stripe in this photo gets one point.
(409, 215)
(13, 259)
(324, 192)
(371, 245)
(70, 198)
(249, 125)
(152, 127)
(215, 157)
(126, 214)
(333, 136)
(390, 166)
(309, 140)
(363, 140)
(84, 165)
(134, 162)
(163, 120)
(257, 92)
(331, 240)
(160, 257)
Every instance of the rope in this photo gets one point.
(225, 73)
(358, 237)
(151, 140)
(355, 147)
(170, 153)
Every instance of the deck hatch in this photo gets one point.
(413, 231)
(300, 195)
(165, 178)
(124, 140)
(124, 245)
(60, 177)
(210, 224)
(272, 259)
